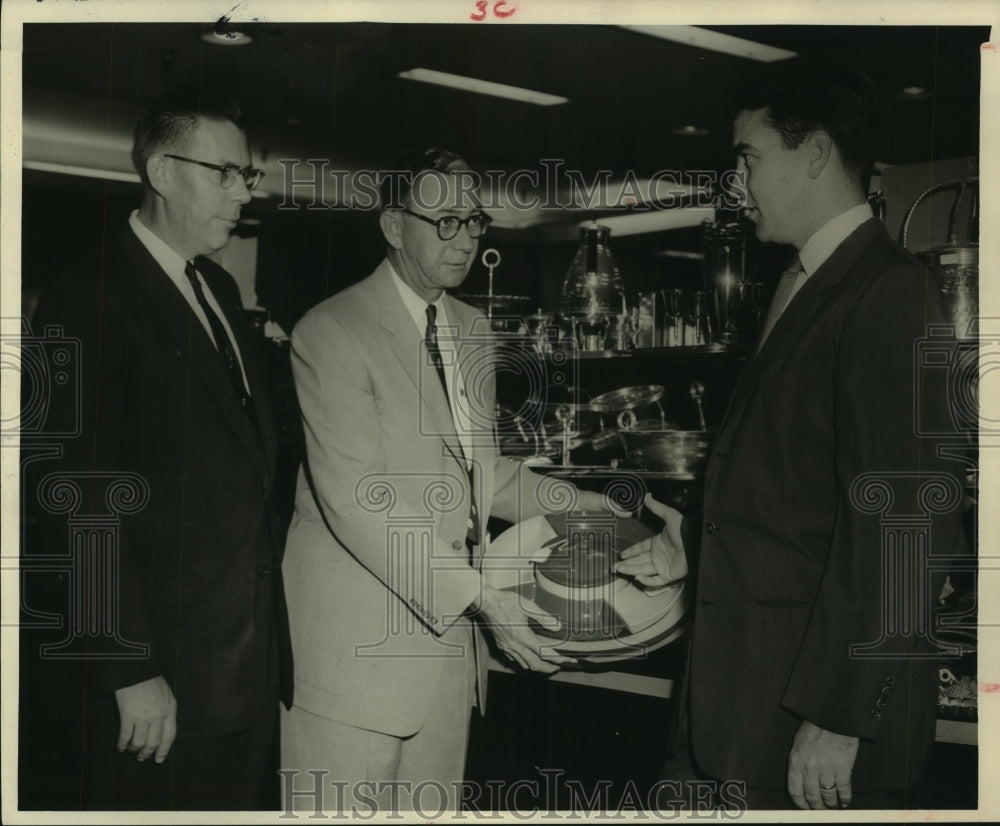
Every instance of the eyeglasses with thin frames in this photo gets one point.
(448, 226)
(229, 172)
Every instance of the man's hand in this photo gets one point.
(149, 719)
(660, 559)
(819, 768)
(506, 614)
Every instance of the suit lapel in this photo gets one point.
(191, 339)
(408, 347)
(794, 324)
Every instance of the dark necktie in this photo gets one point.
(431, 340)
(222, 342)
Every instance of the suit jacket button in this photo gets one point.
(876, 713)
(263, 570)
(457, 545)
(711, 528)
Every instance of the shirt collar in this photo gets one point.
(828, 237)
(168, 259)
(415, 305)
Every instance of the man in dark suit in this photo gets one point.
(183, 715)
(800, 685)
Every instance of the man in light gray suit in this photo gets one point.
(395, 379)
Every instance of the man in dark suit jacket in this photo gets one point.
(799, 683)
(175, 399)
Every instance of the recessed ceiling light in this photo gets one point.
(689, 129)
(715, 42)
(482, 87)
(226, 37)
(912, 93)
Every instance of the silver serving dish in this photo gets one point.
(679, 452)
(627, 398)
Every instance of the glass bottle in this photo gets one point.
(724, 247)
(593, 286)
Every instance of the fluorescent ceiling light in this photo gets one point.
(482, 87)
(637, 223)
(635, 191)
(715, 42)
(100, 174)
(81, 171)
(634, 223)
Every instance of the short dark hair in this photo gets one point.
(170, 121)
(397, 180)
(801, 98)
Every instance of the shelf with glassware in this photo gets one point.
(598, 384)
(646, 413)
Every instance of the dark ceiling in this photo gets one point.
(332, 88)
(331, 91)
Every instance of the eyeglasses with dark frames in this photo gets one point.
(448, 226)
(229, 172)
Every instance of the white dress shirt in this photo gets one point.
(448, 339)
(173, 265)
